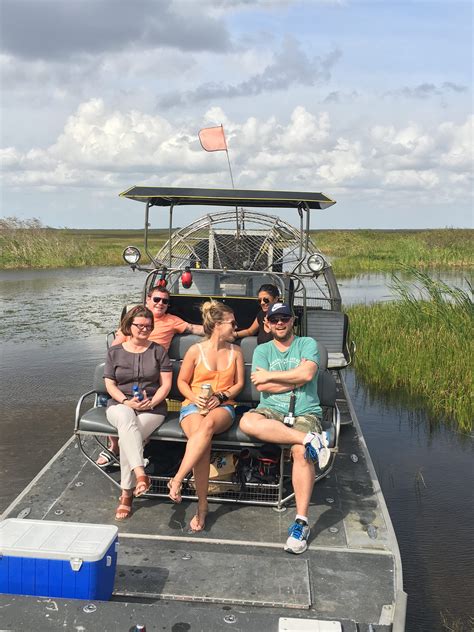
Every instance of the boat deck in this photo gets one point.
(234, 574)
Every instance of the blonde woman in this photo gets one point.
(217, 362)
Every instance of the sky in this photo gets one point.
(367, 102)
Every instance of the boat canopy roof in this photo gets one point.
(168, 196)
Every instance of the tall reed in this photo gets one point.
(29, 244)
(421, 344)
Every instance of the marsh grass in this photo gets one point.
(356, 251)
(452, 623)
(29, 244)
(421, 345)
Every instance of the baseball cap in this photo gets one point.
(279, 309)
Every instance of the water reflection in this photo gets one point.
(427, 478)
(370, 288)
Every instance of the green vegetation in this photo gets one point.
(29, 244)
(357, 251)
(421, 345)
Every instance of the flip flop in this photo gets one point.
(176, 498)
(198, 521)
(108, 458)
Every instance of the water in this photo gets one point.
(368, 288)
(53, 334)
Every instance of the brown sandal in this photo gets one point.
(143, 485)
(124, 510)
(176, 498)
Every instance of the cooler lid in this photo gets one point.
(55, 540)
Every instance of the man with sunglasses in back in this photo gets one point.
(165, 327)
(284, 371)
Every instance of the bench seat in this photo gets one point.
(93, 422)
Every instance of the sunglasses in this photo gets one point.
(158, 299)
(273, 320)
(263, 300)
(143, 327)
(232, 322)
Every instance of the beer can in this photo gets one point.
(206, 391)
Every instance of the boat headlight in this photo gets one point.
(131, 255)
(316, 262)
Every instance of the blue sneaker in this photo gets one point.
(317, 449)
(298, 534)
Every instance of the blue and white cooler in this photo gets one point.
(57, 559)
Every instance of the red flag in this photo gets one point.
(213, 139)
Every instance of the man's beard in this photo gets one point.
(284, 338)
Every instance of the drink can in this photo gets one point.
(206, 391)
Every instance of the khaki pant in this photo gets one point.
(133, 428)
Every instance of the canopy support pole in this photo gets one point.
(170, 231)
(147, 224)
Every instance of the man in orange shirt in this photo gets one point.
(165, 327)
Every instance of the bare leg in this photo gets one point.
(302, 477)
(199, 431)
(114, 445)
(273, 431)
(270, 430)
(201, 480)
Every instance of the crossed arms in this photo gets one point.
(282, 381)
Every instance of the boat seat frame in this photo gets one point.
(93, 422)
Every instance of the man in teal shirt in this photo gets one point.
(284, 371)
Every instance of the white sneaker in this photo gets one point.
(298, 534)
(317, 449)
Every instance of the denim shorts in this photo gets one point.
(190, 409)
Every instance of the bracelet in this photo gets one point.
(222, 397)
(124, 400)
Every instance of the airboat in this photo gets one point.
(234, 575)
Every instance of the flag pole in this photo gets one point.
(233, 186)
(228, 160)
(213, 139)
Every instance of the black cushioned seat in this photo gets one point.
(94, 421)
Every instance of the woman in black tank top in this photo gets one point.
(267, 295)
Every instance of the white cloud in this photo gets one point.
(312, 95)
(101, 147)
